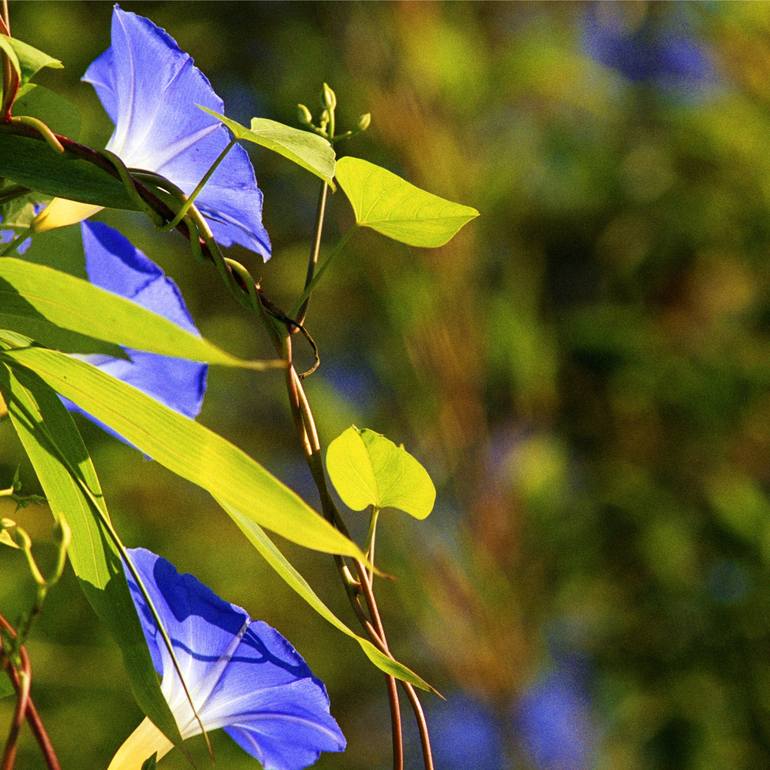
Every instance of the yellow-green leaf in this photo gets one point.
(49, 437)
(186, 448)
(34, 297)
(267, 548)
(307, 150)
(396, 208)
(30, 60)
(368, 469)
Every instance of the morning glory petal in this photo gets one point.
(100, 75)
(151, 89)
(242, 674)
(114, 264)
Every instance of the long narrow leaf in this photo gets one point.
(38, 416)
(269, 551)
(186, 448)
(32, 293)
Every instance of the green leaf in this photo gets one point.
(7, 48)
(395, 208)
(31, 162)
(58, 113)
(18, 213)
(37, 295)
(186, 448)
(308, 150)
(48, 434)
(30, 59)
(368, 469)
(269, 551)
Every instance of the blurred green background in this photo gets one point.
(584, 371)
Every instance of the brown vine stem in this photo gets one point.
(308, 436)
(25, 709)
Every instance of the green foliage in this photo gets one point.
(396, 208)
(39, 298)
(57, 453)
(58, 113)
(186, 448)
(31, 162)
(27, 61)
(260, 540)
(306, 149)
(369, 469)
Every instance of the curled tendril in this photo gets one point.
(242, 285)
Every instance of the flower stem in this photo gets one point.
(180, 215)
(370, 540)
(302, 302)
(15, 243)
(297, 398)
(315, 251)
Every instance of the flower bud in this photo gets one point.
(304, 116)
(328, 97)
(364, 121)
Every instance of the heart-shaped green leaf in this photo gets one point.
(396, 208)
(368, 469)
(308, 150)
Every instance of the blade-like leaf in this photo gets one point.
(40, 419)
(310, 151)
(396, 208)
(30, 59)
(32, 163)
(8, 49)
(33, 293)
(186, 448)
(269, 551)
(368, 469)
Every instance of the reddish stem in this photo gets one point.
(25, 708)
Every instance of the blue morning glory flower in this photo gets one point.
(554, 721)
(465, 734)
(150, 88)
(661, 50)
(243, 676)
(115, 264)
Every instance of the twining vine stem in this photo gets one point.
(21, 679)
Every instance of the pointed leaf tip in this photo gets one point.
(396, 208)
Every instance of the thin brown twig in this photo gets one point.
(25, 708)
(308, 436)
(23, 678)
